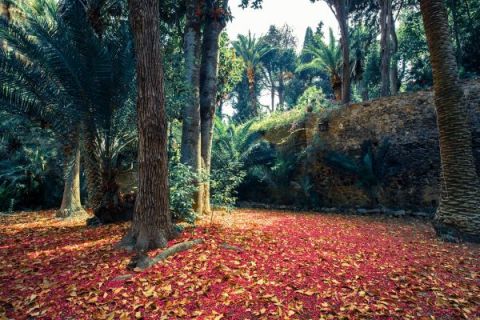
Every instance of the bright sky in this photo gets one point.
(299, 14)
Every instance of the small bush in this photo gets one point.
(182, 190)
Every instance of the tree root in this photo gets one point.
(230, 247)
(142, 261)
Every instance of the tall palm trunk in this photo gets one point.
(458, 215)
(208, 88)
(252, 94)
(336, 82)
(152, 226)
(71, 206)
(191, 145)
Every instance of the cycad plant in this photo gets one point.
(327, 57)
(371, 168)
(55, 68)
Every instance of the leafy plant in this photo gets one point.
(58, 67)
(371, 168)
(181, 192)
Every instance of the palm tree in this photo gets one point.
(327, 57)
(458, 215)
(251, 51)
(59, 71)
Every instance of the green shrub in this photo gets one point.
(224, 183)
(182, 190)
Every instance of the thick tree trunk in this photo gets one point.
(208, 88)
(92, 168)
(385, 5)
(191, 145)
(394, 81)
(71, 206)
(152, 225)
(458, 215)
(336, 82)
(341, 9)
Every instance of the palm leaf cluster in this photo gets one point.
(251, 50)
(326, 57)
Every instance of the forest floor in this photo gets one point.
(276, 265)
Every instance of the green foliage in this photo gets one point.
(72, 72)
(326, 56)
(182, 189)
(29, 166)
(232, 146)
(371, 168)
(230, 70)
(312, 98)
(413, 50)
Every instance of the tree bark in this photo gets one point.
(191, 145)
(92, 167)
(152, 225)
(394, 81)
(341, 13)
(5, 11)
(336, 82)
(385, 5)
(281, 92)
(71, 206)
(208, 88)
(458, 215)
(252, 94)
(272, 99)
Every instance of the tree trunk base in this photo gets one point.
(145, 240)
(450, 233)
(78, 213)
(142, 260)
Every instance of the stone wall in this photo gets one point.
(407, 122)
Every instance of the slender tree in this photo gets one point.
(394, 79)
(191, 144)
(71, 206)
(458, 215)
(152, 226)
(385, 13)
(215, 21)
